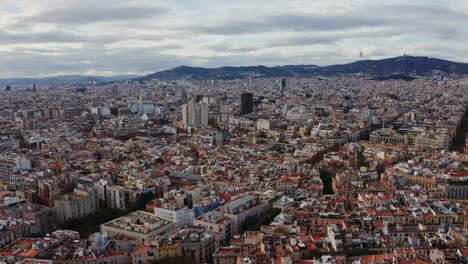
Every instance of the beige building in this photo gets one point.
(425, 140)
(334, 236)
(437, 256)
(263, 124)
(139, 225)
(196, 245)
(430, 141)
(117, 197)
(10, 165)
(40, 214)
(460, 235)
(216, 222)
(425, 181)
(145, 254)
(79, 204)
(241, 209)
(391, 137)
(195, 114)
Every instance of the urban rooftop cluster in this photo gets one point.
(315, 170)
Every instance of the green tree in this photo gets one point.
(91, 223)
(141, 202)
(327, 179)
(254, 223)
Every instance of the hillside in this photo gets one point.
(404, 65)
(64, 79)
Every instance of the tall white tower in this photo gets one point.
(195, 114)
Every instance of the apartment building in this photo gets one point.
(140, 226)
(80, 203)
(242, 208)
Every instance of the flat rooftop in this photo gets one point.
(138, 222)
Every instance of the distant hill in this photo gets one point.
(399, 66)
(227, 73)
(404, 67)
(64, 79)
(421, 66)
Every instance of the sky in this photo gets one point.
(113, 37)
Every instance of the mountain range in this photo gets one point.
(398, 66)
(403, 67)
(63, 79)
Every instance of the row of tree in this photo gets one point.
(92, 222)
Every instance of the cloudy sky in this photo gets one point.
(110, 37)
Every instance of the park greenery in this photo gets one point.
(255, 222)
(91, 223)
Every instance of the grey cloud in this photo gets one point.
(432, 21)
(87, 14)
(168, 47)
(415, 13)
(62, 37)
(300, 22)
(242, 49)
(38, 37)
(313, 38)
(405, 17)
(227, 47)
(419, 21)
(22, 63)
(294, 21)
(259, 40)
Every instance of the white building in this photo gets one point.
(11, 165)
(176, 206)
(194, 114)
(263, 124)
(101, 111)
(182, 216)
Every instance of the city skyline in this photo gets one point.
(96, 38)
(222, 132)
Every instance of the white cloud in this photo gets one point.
(49, 37)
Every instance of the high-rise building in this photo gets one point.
(246, 103)
(282, 84)
(8, 88)
(195, 114)
(183, 97)
(115, 90)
